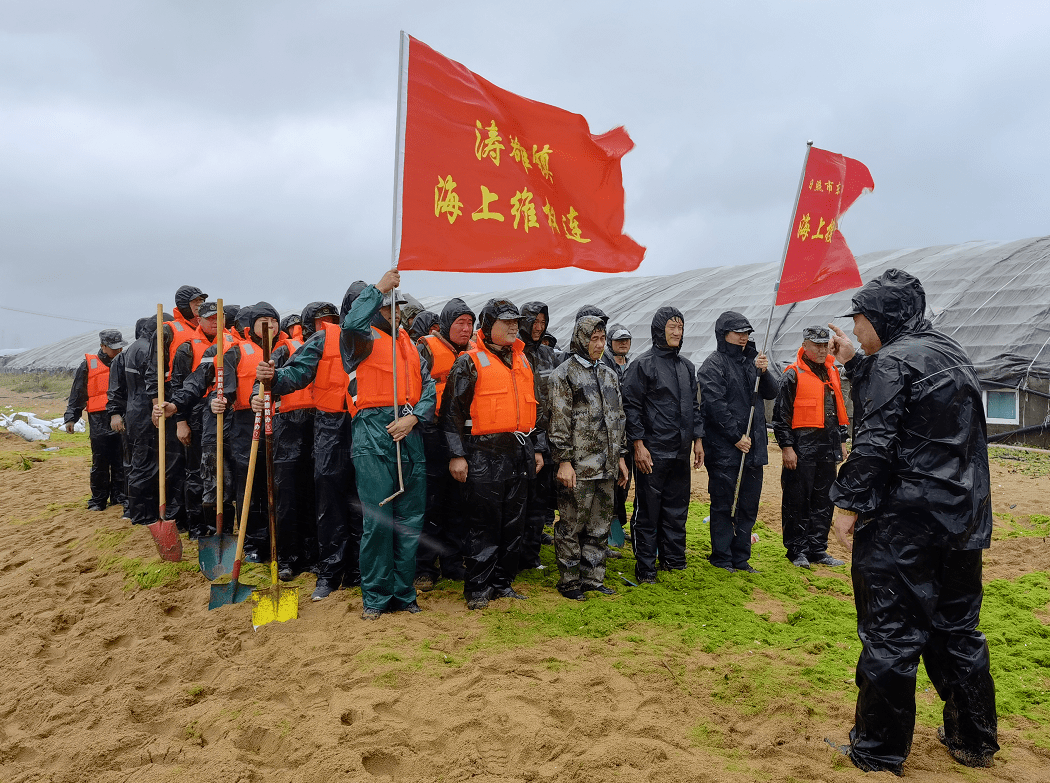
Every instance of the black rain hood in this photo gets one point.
(591, 310)
(495, 310)
(660, 319)
(581, 336)
(732, 321)
(229, 315)
(350, 297)
(254, 313)
(529, 312)
(183, 297)
(289, 321)
(895, 303)
(146, 327)
(422, 325)
(450, 312)
(309, 315)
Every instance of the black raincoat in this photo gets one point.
(918, 477)
(443, 541)
(129, 399)
(422, 324)
(539, 508)
(662, 410)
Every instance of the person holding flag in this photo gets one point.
(393, 520)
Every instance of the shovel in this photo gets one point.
(234, 592)
(216, 554)
(277, 602)
(164, 531)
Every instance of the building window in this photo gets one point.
(1000, 406)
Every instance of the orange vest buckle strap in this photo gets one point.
(504, 398)
(97, 384)
(810, 391)
(375, 375)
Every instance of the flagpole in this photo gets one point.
(769, 326)
(395, 240)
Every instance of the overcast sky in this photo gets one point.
(247, 147)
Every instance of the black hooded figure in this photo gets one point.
(422, 325)
(499, 464)
(663, 428)
(918, 481)
(442, 543)
(727, 386)
(539, 508)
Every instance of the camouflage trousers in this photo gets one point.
(584, 516)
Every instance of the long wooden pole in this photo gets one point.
(769, 327)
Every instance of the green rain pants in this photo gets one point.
(390, 535)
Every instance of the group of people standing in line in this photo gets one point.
(494, 429)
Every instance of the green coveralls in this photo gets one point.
(391, 532)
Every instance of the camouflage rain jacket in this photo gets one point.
(587, 426)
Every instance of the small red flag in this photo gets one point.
(494, 182)
(818, 261)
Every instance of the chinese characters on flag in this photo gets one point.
(818, 262)
(493, 182)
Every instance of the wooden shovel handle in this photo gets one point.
(162, 424)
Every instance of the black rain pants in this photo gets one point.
(107, 471)
(915, 600)
(294, 489)
(731, 548)
(442, 543)
(495, 510)
(806, 509)
(339, 514)
(662, 504)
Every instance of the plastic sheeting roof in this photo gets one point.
(993, 297)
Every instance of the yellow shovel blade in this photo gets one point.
(275, 603)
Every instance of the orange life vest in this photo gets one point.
(181, 332)
(97, 383)
(331, 392)
(296, 333)
(809, 393)
(375, 376)
(504, 398)
(297, 400)
(444, 358)
(251, 357)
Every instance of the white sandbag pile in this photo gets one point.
(30, 427)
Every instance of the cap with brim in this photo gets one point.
(207, 310)
(401, 299)
(328, 309)
(853, 311)
(506, 311)
(820, 335)
(111, 338)
(620, 334)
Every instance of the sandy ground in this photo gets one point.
(106, 683)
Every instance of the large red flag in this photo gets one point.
(818, 261)
(493, 182)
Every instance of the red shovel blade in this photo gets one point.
(166, 536)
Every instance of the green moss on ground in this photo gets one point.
(1030, 463)
(811, 654)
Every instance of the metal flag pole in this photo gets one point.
(395, 241)
(769, 326)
